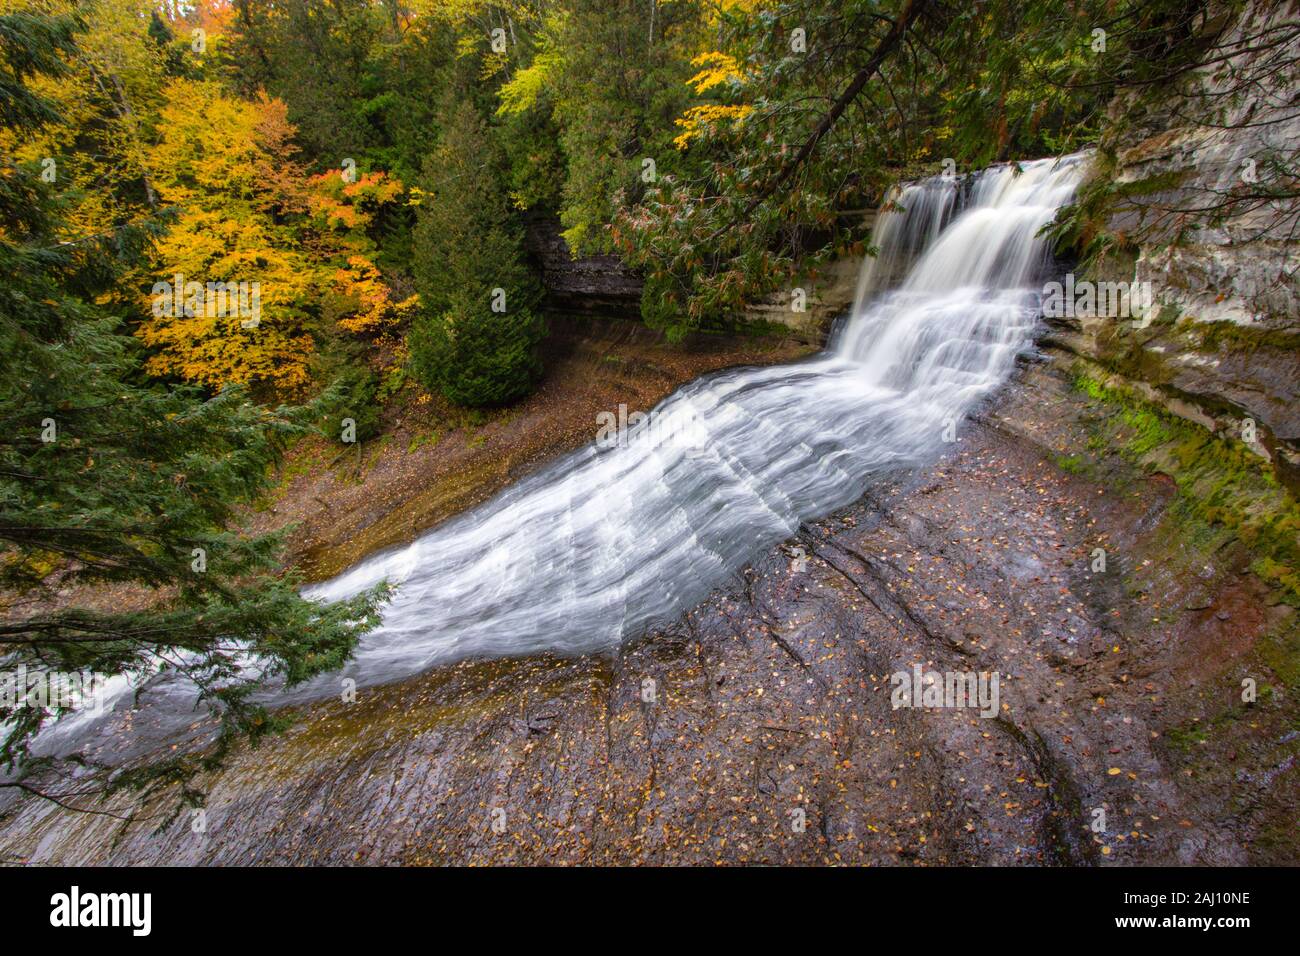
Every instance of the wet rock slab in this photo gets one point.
(761, 727)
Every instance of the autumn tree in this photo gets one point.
(343, 206)
(227, 166)
(96, 154)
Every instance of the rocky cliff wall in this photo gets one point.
(1193, 193)
(588, 284)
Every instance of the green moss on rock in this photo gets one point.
(1221, 482)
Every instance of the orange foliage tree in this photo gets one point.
(342, 206)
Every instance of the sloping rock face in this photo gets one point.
(764, 726)
(1194, 192)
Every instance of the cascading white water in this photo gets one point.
(607, 541)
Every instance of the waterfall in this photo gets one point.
(614, 538)
(618, 536)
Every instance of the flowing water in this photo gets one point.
(629, 532)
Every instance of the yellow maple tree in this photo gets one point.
(223, 163)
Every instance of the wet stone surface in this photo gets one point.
(761, 727)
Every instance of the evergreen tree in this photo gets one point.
(477, 338)
(107, 482)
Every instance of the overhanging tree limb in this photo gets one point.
(888, 43)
